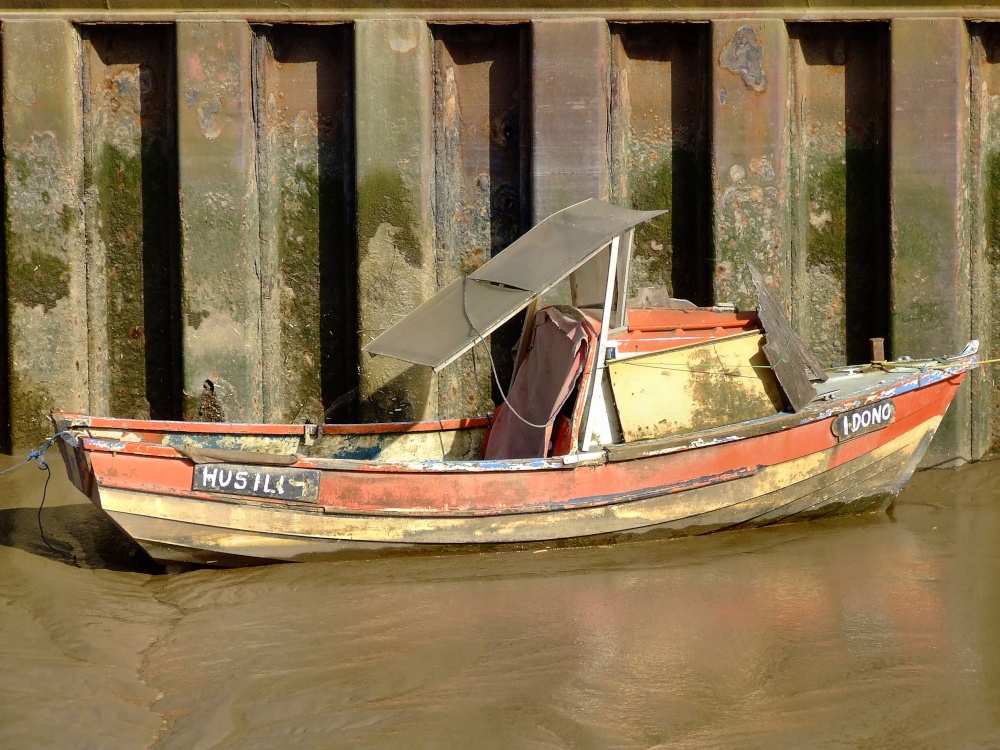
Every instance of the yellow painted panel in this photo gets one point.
(695, 387)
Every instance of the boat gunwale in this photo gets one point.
(583, 505)
(904, 383)
(83, 421)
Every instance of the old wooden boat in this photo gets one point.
(619, 422)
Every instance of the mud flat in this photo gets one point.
(872, 631)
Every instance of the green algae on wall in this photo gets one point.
(989, 273)
(45, 254)
(820, 293)
(386, 224)
(672, 250)
(394, 161)
(297, 231)
(384, 199)
(35, 401)
(40, 279)
(826, 234)
(922, 270)
(650, 187)
(991, 198)
(303, 90)
(119, 186)
(129, 184)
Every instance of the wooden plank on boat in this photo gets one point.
(786, 353)
(696, 387)
(222, 456)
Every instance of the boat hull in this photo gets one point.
(791, 467)
(175, 528)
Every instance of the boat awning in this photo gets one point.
(468, 309)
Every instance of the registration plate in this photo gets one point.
(865, 419)
(258, 481)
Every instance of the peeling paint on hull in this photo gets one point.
(791, 491)
(762, 475)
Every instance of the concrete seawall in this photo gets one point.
(248, 197)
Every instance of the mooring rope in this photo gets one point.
(493, 366)
(945, 365)
(39, 455)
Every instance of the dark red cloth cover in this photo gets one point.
(556, 356)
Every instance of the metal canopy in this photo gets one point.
(446, 325)
(468, 309)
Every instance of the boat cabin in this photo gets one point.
(604, 370)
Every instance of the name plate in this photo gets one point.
(863, 420)
(275, 483)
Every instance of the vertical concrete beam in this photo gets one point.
(930, 271)
(750, 141)
(660, 157)
(985, 234)
(569, 113)
(395, 169)
(480, 186)
(46, 267)
(219, 217)
(305, 177)
(569, 118)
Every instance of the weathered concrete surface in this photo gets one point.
(286, 11)
(130, 183)
(984, 204)
(219, 217)
(660, 151)
(767, 141)
(569, 116)
(45, 252)
(481, 186)
(930, 271)
(569, 113)
(840, 208)
(396, 265)
(750, 143)
(306, 181)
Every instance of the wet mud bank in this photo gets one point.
(870, 631)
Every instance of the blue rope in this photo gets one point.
(39, 455)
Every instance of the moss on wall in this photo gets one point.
(297, 233)
(651, 188)
(39, 279)
(826, 233)
(34, 402)
(384, 199)
(118, 177)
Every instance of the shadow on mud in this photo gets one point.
(78, 535)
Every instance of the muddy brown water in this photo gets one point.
(878, 631)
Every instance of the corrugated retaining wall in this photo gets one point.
(247, 197)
